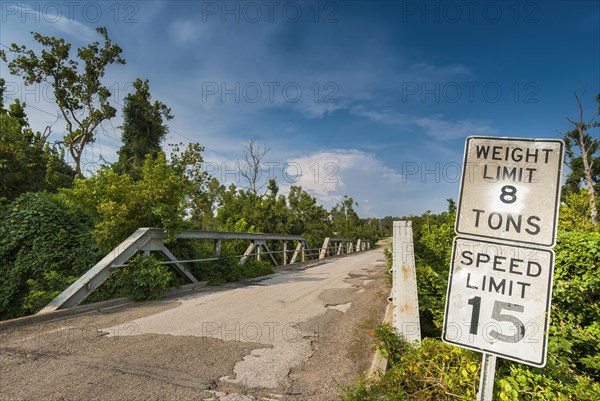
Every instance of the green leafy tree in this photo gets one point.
(27, 161)
(344, 218)
(205, 203)
(307, 218)
(203, 193)
(143, 129)
(240, 205)
(44, 247)
(575, 211)
(118, 205)
(82, 99)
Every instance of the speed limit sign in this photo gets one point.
(498, 299)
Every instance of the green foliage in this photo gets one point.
(255, 268)
(430, 372)
(118, 205)
(145, 279)
(228, 269)
(344, 219)
(516, 382)
(299, 214)
(78, 91)
(438, 371)
(45, 289)
(307, 217)
(142, 130)
(575, 329)
(433, 247)
(27, 162)
(388, 253)
(203, 193)
(44, 246)
(575, 211)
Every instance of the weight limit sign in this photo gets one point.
(498, 300)
(510, 189)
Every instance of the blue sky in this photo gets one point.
(369, 99)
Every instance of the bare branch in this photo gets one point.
(251, 167)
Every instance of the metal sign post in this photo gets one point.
(486, 380)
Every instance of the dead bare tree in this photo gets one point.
(251, 166)
(579, 138)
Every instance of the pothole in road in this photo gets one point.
(342, 307)
(337, 296)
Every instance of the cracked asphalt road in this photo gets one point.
(299, 334)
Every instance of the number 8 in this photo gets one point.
(508, 194)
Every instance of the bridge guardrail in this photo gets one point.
(152, 240)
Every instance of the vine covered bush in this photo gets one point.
(145, 278)
(44, 247)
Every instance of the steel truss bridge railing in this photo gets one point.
(148, 240)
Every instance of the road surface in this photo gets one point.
(299, 334)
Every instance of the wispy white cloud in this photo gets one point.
(441, 129)
(439, 72)
(382, 116)
(184, 31)
(59, 22)
(331, 174)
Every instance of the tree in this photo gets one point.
(306, 217)
(344, 219)
(582, 165)
(239, 205)
(575, 211)
(143, 129)
(27, 161)
(204, 203)
(118, 205)
(203, 194)
(82, 99)
(251, 167)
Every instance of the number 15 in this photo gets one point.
(500, 317)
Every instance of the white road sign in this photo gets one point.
(498, 299)
(510, 189)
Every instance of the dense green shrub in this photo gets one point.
(145, 278)
(575, 329)
(44, 246)
(430, 372)
(228, 269)
(438, 371)
(433, 247)
(516, 382)
(118, 205)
